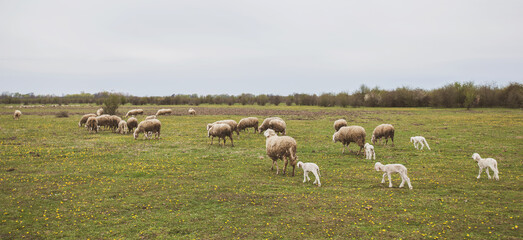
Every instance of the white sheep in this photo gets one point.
(283, 148)
(192, 111)
(84, 118)
(233, 124)
(419, 140)
(99, 112)
(349, 134)
(393, 168)
(134, 112)
(17, 115)
(383, 130)
(265, 124)
(153, 125)
(369, 151)
(220, 130)
(165, 111)
(122, 127)
(132, 123)
(278, 125)
(310, 167)
(486, 163)
(339, 124)
(104, 120)
(150, 117)
(91, 124)
(248, 123)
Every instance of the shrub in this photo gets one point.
(111, 104)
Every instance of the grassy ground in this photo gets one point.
(59, 181)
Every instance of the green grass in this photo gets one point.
(67, 183)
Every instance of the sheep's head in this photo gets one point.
(366, 145)
(334, 137)
(209, 126)
(135, 134)
(476, 157)
(378, 166)
(269, 133)
(299, 165)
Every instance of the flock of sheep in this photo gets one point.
(277, 147)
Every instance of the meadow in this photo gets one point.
(59, 181)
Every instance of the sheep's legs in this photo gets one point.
(212, 138)
(359, 151)
(486, 170)
(305, 176)
(317, 180)
(374, 155)
(285, 162)
(383, 179)
(402, 179)
(232, 142)
(480, 170)
(390, 181)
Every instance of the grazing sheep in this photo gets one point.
(383, 130)
(248, 123)
(310, 167)
(150, 117)
(419, 140)
(392, 168)
(17, 115)
(231, 123)
(134, 112)
(115, 120)
(486, 163)
(84, 118)
(91, 124)
(104, 120)
(122, 127)
(164, 112)
(99, 112)
(132, 123)
(339, 123)
(278, 126)
(220, 130)
(280, 147)
(349, 134)
(369, 151)
(153, 125)
(192, 111)
(265, 124)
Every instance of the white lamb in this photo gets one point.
(369, 151)
(310, 167)
(486, 163)
(392, 168)
(419, 140)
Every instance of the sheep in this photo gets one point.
(92, 124)
(122, 127)
(265, 124)
(419, 140)
(339, 123)
(231, 123)
(192, 111)
(99, 112)
(278, 126)
(486, 163)
(280, 147)
(17, 115)
(146, 126)
(134, 112)
(392, 168)
(104, 120)
(248, 123)
(220, 130)
(369, 151)
(84, 118)
(132, 123)
(383, 130)
(310, 167)
(115, 120)
(150, 117)
(164, 112)
(349, 134)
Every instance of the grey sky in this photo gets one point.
(150, 48)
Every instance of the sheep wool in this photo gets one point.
(339, 123)
(134, 112)
(122, 127)
(280, 147)
(84, 118)
(150, 117)
(383, 130)
(164, 112)
(346, 135)
(148, 127)
(132, 123)
(231, 123)
(92, 124)
(99, 112)
(192, 111)
(104, 120)
(265, 124)
(17, 115)
(220, 130)
(486, 163)
(248, 123)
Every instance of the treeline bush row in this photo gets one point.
(456, 95)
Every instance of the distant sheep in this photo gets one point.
(248, 123)
(339, 123)
(153, 125)
(349, 134)
(192, 111)
(150, 117)
(233, 124)
(280, 147)
(17, 115)
(122, 127)
(132, 123)
(134, 112)
(220, 130)
(486, 163)
(310, 167)
(278, 125)
(419, 140)
(393, 168)
(383, 130)
(84, 118)
(265, 124)
(91, 124)
(369, 151)
(99, 112)
(164, 112)
(104, 121)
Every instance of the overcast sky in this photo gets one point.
(159, 48)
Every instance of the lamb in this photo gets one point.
(310, 167)
(220, 130)
(164, 112)
(192, 111)
(486, 163)
(84, 118)
(134, 112)
(339, 123)
(231, 123)
(17, 115)
(150, 117)
(122, 127)
(280, 147)
(146, 126)
(132, 123)
(419, 140)
(369, 151)
(392, 168)
(248, 123)
(99, 112)
(265, 124)
(91, 124)
(383, 130)
(349, 134)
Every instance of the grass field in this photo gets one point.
(59, 181)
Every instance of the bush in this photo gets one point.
(62, 114)
(111, 104)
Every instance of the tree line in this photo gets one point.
(455, 95)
